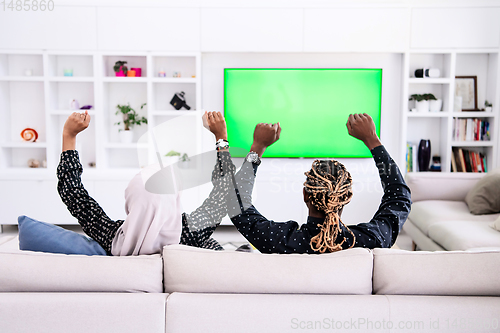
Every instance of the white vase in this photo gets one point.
(435, 105)
(126, 136)
(422, 106)
(488, 109)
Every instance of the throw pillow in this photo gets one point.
(45, 237)
(484, 197)
(496, 225)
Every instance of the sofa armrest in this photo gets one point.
(441, 186)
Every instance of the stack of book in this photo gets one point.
(411, 157)
(471, 129)
(463, 160)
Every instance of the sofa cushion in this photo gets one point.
(189, 269)
(496, 224)
(41, 272)
(225, 313)
(464, 235)
(82, 312)
(45, 237)
(484, 197)
(457, 273)
(440, 185)
(426, 213)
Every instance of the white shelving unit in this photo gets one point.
(42, 102)
(438, 126)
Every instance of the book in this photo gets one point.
(453, 162)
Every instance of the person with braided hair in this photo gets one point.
(327, 189)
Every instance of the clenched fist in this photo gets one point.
(265, 135)
(362, 127)
(76, 123)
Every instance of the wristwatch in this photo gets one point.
(221, 144)
(253, 157)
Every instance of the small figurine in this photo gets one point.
(29, 134)
(32, 163)
(68, 72)
(162, 73)
(74, 105)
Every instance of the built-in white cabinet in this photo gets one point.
(151, 28)
(63, 28)
(369, 29)
(465, 27)
(440, 127)
(251, 29)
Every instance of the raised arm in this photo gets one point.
(95, 223)
(395, 205)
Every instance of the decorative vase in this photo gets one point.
(422, 106)
(435, 105)
(138, 71)
(120, 72)
(488, 109)
(424, 155)
(126, 136)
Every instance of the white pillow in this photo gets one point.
(496, 225)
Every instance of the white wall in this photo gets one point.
(279, 181)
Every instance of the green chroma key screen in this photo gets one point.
(312, 106)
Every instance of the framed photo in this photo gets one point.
(466, 87)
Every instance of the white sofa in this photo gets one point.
(440, 219)
(195, 290)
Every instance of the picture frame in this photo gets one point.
(466, 87)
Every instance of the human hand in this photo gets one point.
(216, 124)
(76, 123)
(265, 135)
(362, 127)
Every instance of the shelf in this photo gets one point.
(173, 80)
(22, 78)
(24, 145)
(69, 112)
(71, 79)
(427, 114)
(126, 79)
(473, 114)
(472, 144)
(175, 113)
(417, 80)
(118, 145)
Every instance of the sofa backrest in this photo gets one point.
(438, 186)
(189, 269)
(42, 272)
(453, 273)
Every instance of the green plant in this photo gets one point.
(121, 64)
(487, 104)
(173, 153)
(130, 117)
(185, 158)
(422, 97)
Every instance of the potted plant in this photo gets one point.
(423, 102)
(130, 119)
(184, 161)
(488, 107)
(172, 157)
(120, 68)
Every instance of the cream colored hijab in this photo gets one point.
(153, 220)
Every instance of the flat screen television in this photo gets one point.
(312, 106)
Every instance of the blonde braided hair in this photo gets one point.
(329, 186)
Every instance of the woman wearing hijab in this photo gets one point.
(153, 220)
